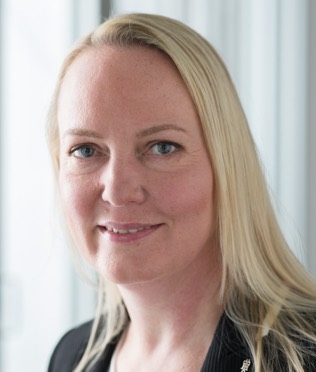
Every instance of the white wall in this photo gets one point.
(312, 139)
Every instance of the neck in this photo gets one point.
(179, 308)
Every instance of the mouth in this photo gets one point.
(127, 232)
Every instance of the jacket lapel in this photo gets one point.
(228, 351)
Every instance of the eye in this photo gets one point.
(83, 151)
(164, 148)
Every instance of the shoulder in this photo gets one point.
(70, 349)
(309, 348)
(307, 345)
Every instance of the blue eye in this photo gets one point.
(84, 151)
(164, 148)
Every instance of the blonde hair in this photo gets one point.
(265, 290)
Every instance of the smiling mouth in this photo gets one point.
(129, 231)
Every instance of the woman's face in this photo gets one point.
(135, 179)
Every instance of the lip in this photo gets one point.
(125, 233)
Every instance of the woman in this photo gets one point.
(164, 196)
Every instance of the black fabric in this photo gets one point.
(227, 353)
(70, 349)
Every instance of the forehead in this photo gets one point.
(122, 78)
(114, 64)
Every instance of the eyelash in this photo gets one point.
(81, 147)
(165, 143)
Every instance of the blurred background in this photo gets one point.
(269, 46)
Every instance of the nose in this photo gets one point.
(123, 182)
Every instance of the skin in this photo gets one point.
(133, 158)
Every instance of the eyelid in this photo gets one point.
(77, 147)
(168, 142)
(177, 146)
(83, 145)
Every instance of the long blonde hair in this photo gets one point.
(265, 290)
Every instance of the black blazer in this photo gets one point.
(227, 353)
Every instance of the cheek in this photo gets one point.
(76, 196)
(189, 196)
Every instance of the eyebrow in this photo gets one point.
(82, 133)
(144, 133)
(159, 128)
